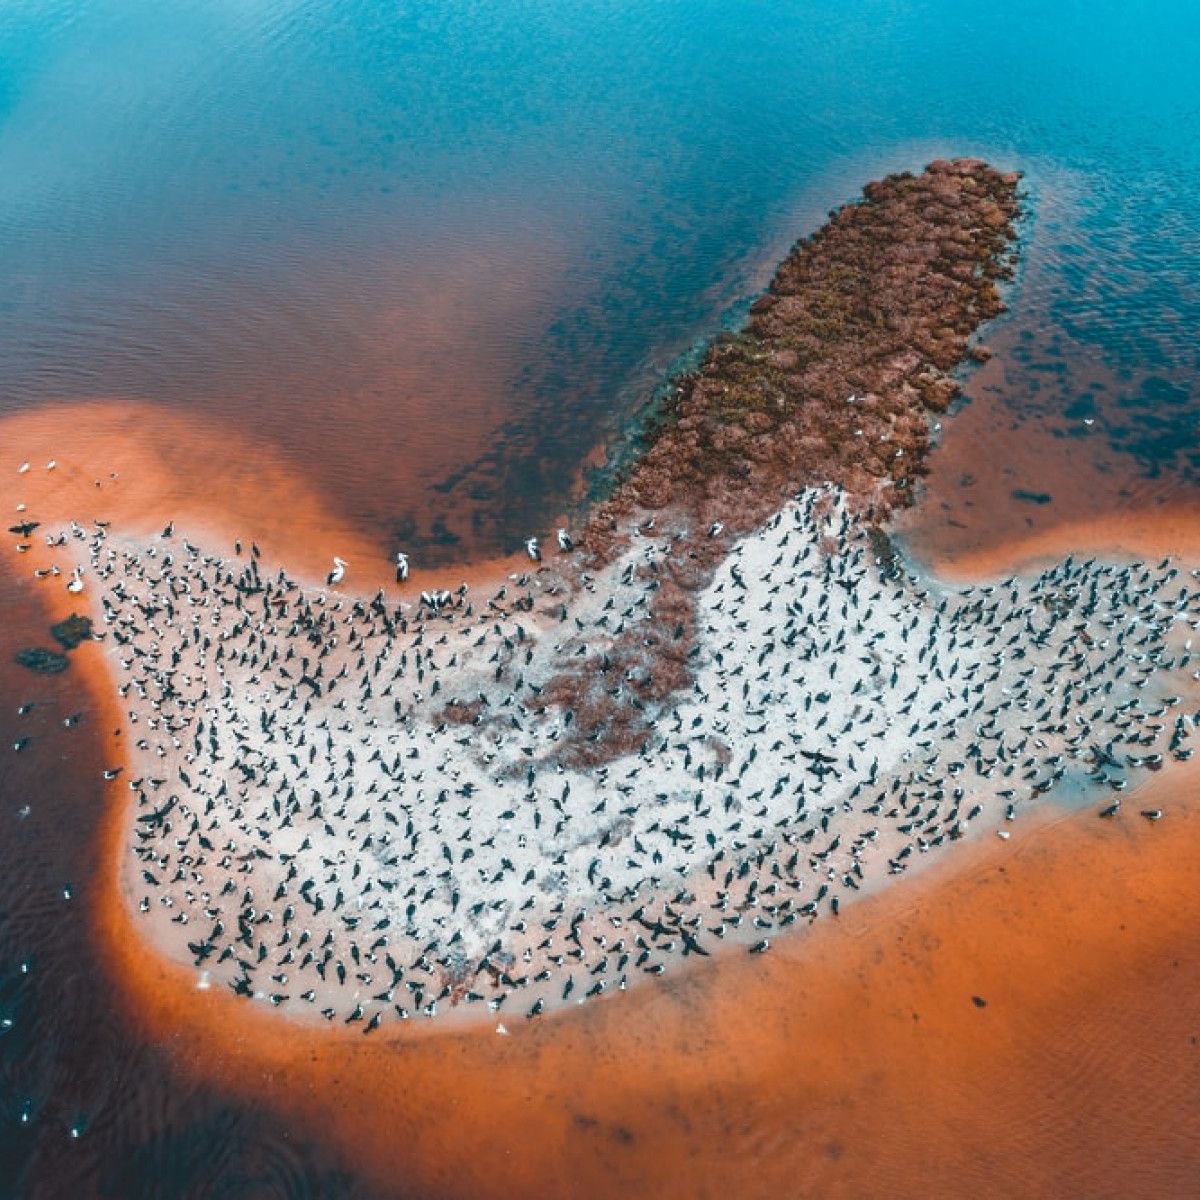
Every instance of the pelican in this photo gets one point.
(75, 586)
(401, 566)
(564, 541)
(531, 548)
(338, 573)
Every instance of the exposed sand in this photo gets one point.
(311, 830)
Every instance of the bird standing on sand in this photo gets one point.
(401, 566)
(338, 573)
(532, 549)
(565, 543)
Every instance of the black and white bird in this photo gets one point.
(564, 541)
(533, 550)
(338, 573)
(401, 566)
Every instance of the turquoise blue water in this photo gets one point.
(324, 224)
(433, 253)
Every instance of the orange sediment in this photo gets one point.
(850, 1060)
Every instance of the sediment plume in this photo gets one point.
(856, 1048)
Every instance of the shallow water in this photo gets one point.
(425, 262)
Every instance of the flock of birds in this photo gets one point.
(316, 825)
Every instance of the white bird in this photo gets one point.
(401, 566)
(531, 548)
(338, 573)
(716, 529)
(75, 586)
(564, 541)
(51, 464)
(23, 468)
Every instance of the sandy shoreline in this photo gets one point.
(762, 816)
(381, 800)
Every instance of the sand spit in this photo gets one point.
(678, 734)
(355, 809)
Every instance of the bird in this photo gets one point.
(338, 573)
(169, 529)
(532, 549)
(75, 586)
(716, 529)
(565, 543)
(401, 566)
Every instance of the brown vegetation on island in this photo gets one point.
(833, 379)
(879, 304)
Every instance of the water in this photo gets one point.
(432, 257)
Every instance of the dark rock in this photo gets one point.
(44, 662)
(72, 631)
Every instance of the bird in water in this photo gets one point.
(338, 573)
(401, 566)
(533, 550)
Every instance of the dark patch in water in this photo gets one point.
(44, 662)
(71, 632)
(1031, 497)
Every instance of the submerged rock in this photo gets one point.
(44, 662)
(72, 631)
